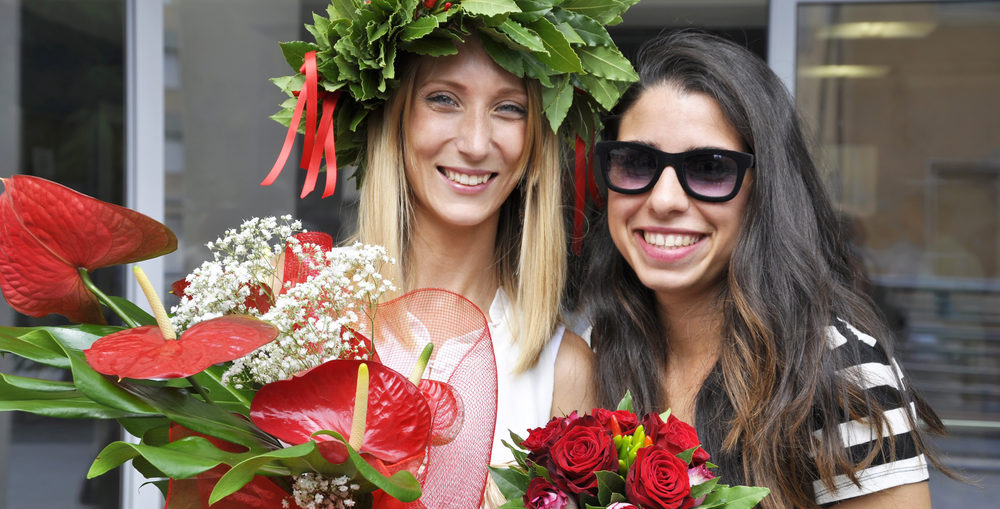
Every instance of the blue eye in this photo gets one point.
(513, 108)
(441, 99)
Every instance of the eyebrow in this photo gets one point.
(506, 90)
(654, 146)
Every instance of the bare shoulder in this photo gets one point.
(915, 496)
(573, 384)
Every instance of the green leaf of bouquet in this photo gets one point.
(608, 483)
(40, 385)
(489, 7)
(607, 63)
(556, 101)
(25, 346)
(180, 459)
(523, 36)
(79, 337)
(687, 454)
(735, 497)
(295, 51)
(606, 12)
(98, 388)
(402, 485)
(626, 402)
(196, 415)
(512, 482)
(243, 472)
(154, 430)
(561, 56)
(234, 399)
(66, 408)
(700, 490)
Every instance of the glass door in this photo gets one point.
(901, 98)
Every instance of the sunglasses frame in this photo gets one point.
(743, 161)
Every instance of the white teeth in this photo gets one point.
(466, 179)
(670, 240)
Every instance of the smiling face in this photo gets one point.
(465, 137)
(678, 246)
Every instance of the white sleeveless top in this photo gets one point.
(524, 400)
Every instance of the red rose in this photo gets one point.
(675, 436)
(542, 494)
(540, 439)
(658, 480)
(627, 421)
(584, 448)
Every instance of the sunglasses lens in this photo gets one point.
(629, 168)
(711, 175)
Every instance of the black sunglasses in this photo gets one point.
(704, 174)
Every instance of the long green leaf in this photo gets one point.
(196, 415)
(606, 12)
(41, 385)
(133, 311)
(735, 497)
(102, 390)
(556, 102)
(402, 485)
(244, 471)
(511, 482)
(23, 347)
(64, 408)
(182, 459)
(603, 91)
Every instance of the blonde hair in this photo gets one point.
(530, 252)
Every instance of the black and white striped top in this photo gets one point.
(881, 378)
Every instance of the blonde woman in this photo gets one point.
(465, 107)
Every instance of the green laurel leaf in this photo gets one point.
(607, 63)
(561, 56)
(523, 36)
(606, 12)
(489, 7)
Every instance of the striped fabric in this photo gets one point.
(881, 377)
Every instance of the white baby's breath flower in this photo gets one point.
(340, 287)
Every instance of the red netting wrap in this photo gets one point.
(456, 470)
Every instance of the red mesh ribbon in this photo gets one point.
(193, 493)
(456, 471)
(583, 180)
(317, 141)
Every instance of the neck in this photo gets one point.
(693, 325)
(458, 259)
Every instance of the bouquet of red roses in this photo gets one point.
(616, 460)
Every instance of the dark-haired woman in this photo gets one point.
(722, 287)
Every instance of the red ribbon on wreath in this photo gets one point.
(319, 141)
(583, 181)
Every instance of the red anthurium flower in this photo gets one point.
(143, 352)
(447, 409)
(48, 231)
(398, 423)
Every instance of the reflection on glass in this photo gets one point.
(913, 155)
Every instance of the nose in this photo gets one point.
(475, 135)
(667, 195)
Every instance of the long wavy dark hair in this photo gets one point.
(791, 276)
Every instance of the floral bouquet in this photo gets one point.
(276, 382)
(616, 460)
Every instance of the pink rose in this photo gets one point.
(542, 494)
(699, 475)
(622, 505)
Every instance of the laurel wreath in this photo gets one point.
(563, 44)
